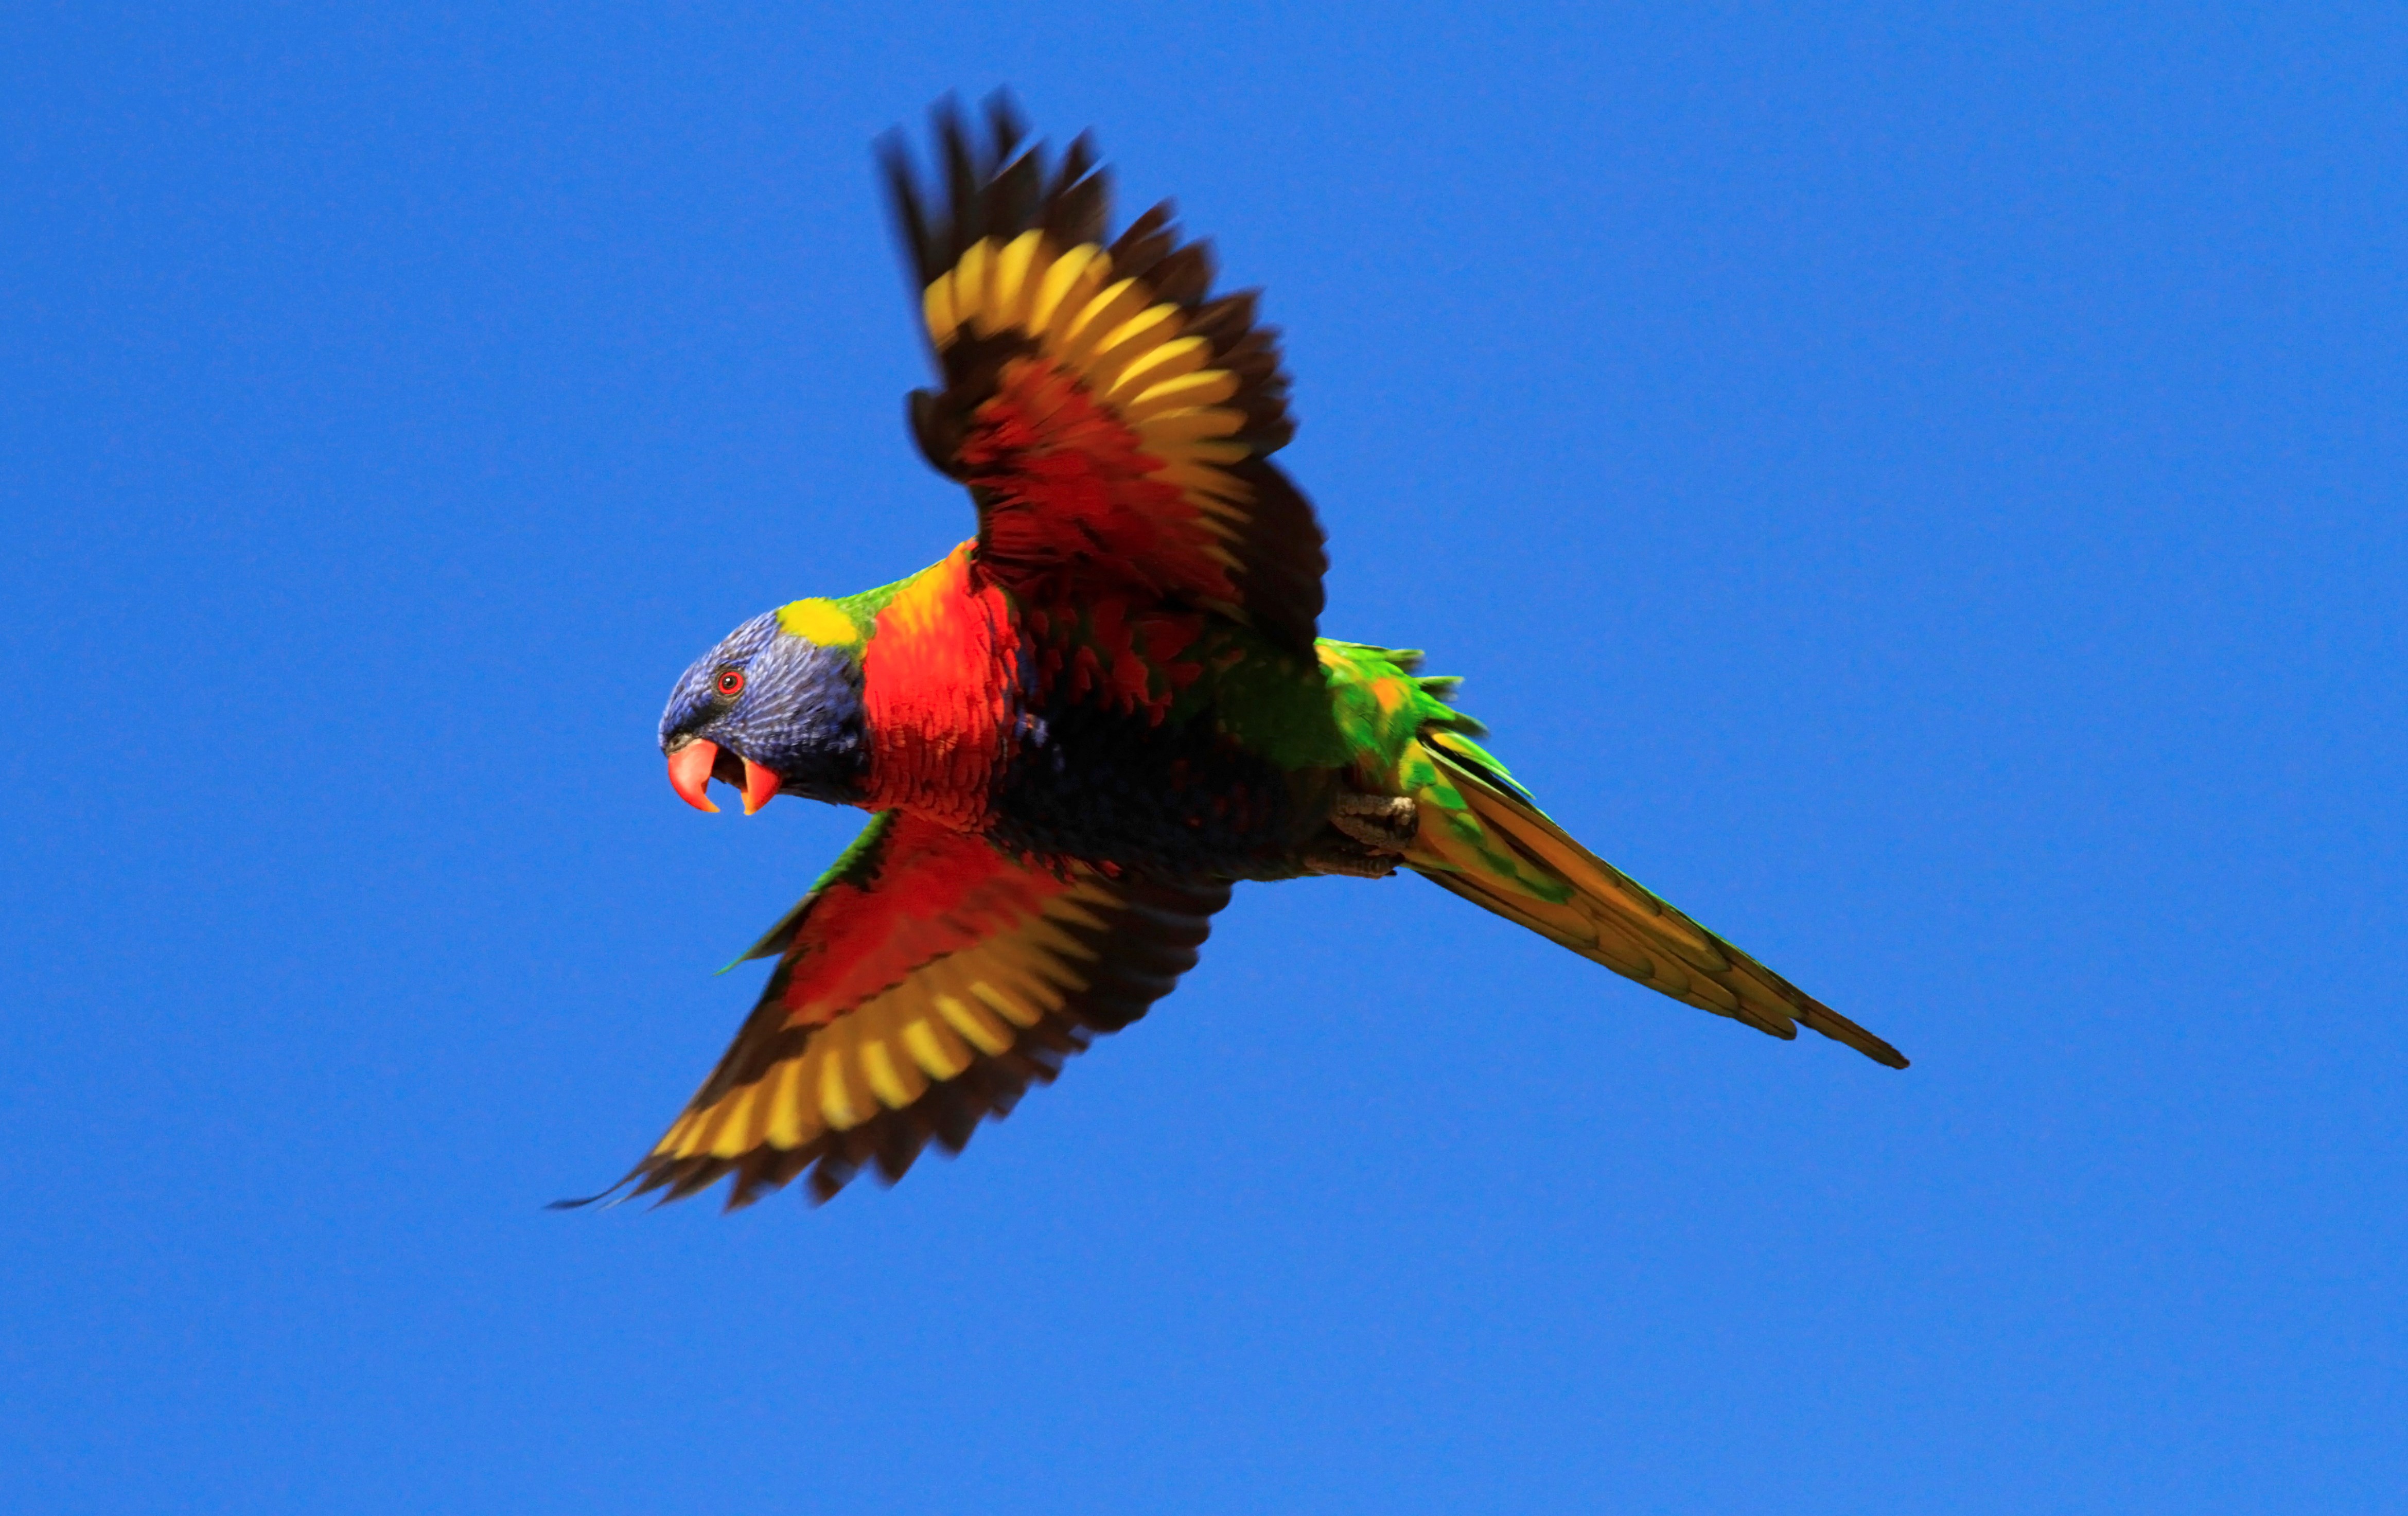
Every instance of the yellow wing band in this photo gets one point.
(884, 1052)
(1131, 352)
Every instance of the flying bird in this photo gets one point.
(1078, 729)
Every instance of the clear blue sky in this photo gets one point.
(1920, 486)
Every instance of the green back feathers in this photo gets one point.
(1384, 705)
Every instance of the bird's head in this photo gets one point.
(775, 707)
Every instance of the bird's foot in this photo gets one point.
(1368, 837)
(1350, 858)
(1382, 822)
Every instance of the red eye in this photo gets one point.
(731, 682)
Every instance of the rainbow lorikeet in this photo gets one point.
(1077, 730)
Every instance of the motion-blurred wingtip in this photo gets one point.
(580, 1202)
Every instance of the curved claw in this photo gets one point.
(690, 773)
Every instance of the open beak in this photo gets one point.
(694, 763)
(758, 786)
(690, 773)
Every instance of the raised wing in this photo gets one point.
(1111, 418)
(921, 987)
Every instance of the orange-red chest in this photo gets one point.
(940, 695)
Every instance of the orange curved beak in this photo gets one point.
(690, 773)
(692, 767)
(760, 784)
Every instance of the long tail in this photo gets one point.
(1482, 837)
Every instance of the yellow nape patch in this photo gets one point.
(820, 621)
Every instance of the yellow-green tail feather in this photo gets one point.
(1482, 837)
